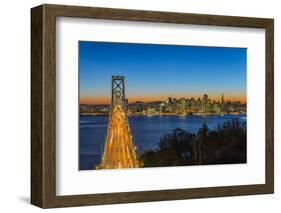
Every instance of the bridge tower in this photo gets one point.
(119, 151)
(118, 91)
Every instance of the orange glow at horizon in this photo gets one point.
(107, 100)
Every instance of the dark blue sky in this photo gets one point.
(154, 72)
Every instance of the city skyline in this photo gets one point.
(155, 72)
(163, 99)
(173, 106)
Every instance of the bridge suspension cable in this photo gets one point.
(119, 151)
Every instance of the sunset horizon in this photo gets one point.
(107, 100)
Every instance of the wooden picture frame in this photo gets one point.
(43, 105)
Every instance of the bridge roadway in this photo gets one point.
(119, 148)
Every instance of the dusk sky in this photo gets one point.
(155, 72)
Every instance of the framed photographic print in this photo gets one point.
(136, 106)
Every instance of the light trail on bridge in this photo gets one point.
(119, 148)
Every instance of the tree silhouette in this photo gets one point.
(226, 144)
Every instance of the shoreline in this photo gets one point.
(175, 115)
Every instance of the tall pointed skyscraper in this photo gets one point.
(222, 104)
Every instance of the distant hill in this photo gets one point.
(133, 103)
(137, 102)
(141, 102)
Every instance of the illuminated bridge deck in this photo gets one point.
(119, 148)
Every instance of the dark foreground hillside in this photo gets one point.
(224, 145)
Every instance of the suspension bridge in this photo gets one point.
(119, 151)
